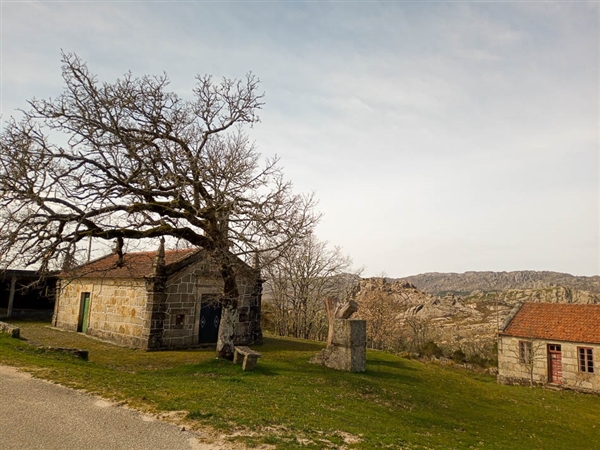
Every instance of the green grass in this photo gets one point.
(286, 402)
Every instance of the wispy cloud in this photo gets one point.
(439, 136)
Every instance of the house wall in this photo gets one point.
(124, 310)
(184, 294)
(511, 371)
(118, 309)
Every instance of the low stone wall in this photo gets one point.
(7, 328)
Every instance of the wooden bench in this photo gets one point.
(246, 356)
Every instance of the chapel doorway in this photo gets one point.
(210, 317)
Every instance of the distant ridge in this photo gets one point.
(464, 283)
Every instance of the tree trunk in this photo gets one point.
(229, 313)
(225, 346)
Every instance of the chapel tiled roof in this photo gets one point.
(135, 265)
(569, 322)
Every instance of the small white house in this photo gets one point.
(551, 343)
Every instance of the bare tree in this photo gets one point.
(418, 331)
(528, 354)
(130, 160)
(299, 280)
(379, 309)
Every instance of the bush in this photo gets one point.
(430, 349)
(481, 361)
(458, 356)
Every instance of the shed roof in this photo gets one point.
(569, 322)
(135, 265)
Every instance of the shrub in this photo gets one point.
(430, 348)
(458, 356)
(482, 361)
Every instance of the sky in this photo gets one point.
(438, 136)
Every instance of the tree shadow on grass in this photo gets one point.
(274, 344)
(261, 370)
(398, 376)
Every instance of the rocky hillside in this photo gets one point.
(408, 301)
(464, 283)
(411, 316)
(556, 294)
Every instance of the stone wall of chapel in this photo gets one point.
(248, 329)
(182, 306)
(67, 304)
(117, 311)
(184, 293)
(511, 371)
(120, 310)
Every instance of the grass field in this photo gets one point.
(286, 402)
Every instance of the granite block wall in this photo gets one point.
(512, 371)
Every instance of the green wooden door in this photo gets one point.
(84, 309)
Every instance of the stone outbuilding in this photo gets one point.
(156, 300)
(551, 343)
(23, 293)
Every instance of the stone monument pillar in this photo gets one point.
(347, 342)
(348, 351)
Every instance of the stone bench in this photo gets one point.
(246, 356)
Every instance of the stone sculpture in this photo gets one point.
(347, 339)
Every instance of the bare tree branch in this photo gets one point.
(131, 160)
(299, 279)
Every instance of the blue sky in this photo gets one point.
(438, 136)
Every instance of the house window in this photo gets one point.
(179, 320)
(586, 359)
(525, 352)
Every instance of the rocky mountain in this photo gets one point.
(456, 311)
(555, 294)
(464, 283)
(468, 322)
(408, 301)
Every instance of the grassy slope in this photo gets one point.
(396, 403)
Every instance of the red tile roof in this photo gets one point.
(135, 265)
(556, 321)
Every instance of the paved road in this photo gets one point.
(35, 414)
